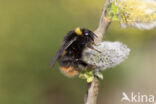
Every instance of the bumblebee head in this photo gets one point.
(88, 34)
(84, 32)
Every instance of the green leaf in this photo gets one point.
(90, 79)
(99, 75)
(87, 75)
(112, 12)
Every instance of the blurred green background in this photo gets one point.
(31, 31)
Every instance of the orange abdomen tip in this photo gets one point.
(69, 71)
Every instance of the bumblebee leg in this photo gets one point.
(82, 64)
(91, 47)
(95, 44)
(91, 66)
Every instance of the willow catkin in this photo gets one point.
(112, 54)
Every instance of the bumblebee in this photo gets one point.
(69, 56)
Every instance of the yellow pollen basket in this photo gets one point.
(78, 31)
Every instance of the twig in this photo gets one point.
(103, 24)
(92, 93)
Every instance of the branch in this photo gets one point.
(92, 93)
(103, 24)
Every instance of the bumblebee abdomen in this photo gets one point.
(69, 71)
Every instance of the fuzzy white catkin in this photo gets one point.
(112, 54)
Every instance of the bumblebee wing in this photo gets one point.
(60, 51)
